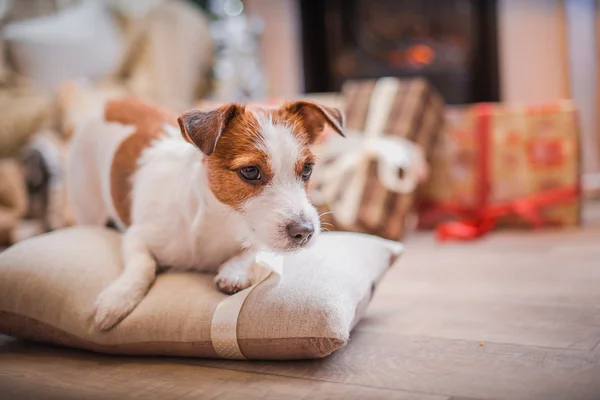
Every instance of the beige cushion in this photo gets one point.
(48, 285)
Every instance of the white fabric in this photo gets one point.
(223, 329)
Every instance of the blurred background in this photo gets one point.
(534, 62)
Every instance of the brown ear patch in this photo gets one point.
(205, 128)
(313, 117)
(149, 122)
(237, 148)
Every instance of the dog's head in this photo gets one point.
(259, 162)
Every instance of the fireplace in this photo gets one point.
(452, 43)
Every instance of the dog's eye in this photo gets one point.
(250, 173)
(307, 171)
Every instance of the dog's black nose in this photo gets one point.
(300, 231)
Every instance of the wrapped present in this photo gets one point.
(367, 182)
(416, 110)
(498, 164)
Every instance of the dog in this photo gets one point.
(204, 190)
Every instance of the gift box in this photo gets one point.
(504, 165)
(367, 181)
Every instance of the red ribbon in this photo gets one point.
(483, 217)
(475, 223)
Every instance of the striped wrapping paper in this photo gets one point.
(417, 114)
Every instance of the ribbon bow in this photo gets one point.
(341, 177)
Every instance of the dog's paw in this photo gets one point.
(112, 305)
(230, 282)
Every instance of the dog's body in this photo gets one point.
(208, 206)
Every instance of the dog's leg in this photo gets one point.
(124, 294)
(236, 273)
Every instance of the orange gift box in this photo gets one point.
(503, 165)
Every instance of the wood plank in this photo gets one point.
(531, 289)
(559, 314)
(29, 371)
(446, 367)
(489, 319)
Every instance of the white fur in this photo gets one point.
(176, 221)
(89, 161)
(285, 198)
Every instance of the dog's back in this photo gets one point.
(103, 157)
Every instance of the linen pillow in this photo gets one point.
(48, 285)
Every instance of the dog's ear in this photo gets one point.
(204, 128)
(314, 116)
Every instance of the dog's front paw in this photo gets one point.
(112, 305)
(230, 282)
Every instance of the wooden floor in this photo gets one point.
(513, 316)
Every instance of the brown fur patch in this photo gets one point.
(305, 134)
(309, 119)
(149, 121)
(228, 136)
(204, 128)
(133, 111)
(308, 125)
(237, 148)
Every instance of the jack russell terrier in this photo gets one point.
(205, 196)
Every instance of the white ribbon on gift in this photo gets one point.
(341, 176)
(223, 329)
